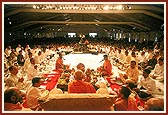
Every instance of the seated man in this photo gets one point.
(146, 85)
(12, 99)
(60, 66)
(106, 69)
(79, 86)
(131, 73)
(14, 81)
(125, 102)
(32, 70)
(33, 93)
(158, 72)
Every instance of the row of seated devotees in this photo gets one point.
(129, 97)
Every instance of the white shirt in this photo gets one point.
(149, 56)
(26, 64)
(37, 59)
(12, 81)
(142, 58)
(148, 83)
(158, 70)
(31, 72)
(32, 95)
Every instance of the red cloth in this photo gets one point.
(113, 84)
(79, 86)
(12, 107)
(52, 82)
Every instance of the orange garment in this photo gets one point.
(59, 65)
(79, 86)
(107, 66)
(126, 104)
(12, 107)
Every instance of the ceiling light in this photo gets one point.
(106, 8)
(119, 7)
(34, 6)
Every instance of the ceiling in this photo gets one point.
(132, 17)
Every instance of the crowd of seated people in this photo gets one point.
(31, 62)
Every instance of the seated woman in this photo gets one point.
(125, 102)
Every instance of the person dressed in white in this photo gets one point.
(142, 57)
(8, 51)
(127, 59)
(147, 82)
(32, 70)
(14, 81)
(149, 55)
(134, 57)
(27, 62)
(18, 49)
(33, 93)
(158, 72)
(38, 58)
(120, 55)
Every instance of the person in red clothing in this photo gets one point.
(125, 101)
(106, 69)
(59, 66)
(80, 86)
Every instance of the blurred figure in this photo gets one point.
(12, 99)
(127, 59)
(154, 104)
(88, 75)
(93, 82)
(102, 88)
(32, 70)
(125, 102)
(81, 67)
(20, 58)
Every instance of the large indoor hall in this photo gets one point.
(83, 57)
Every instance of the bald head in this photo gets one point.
(79, 75)
(81, 66)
